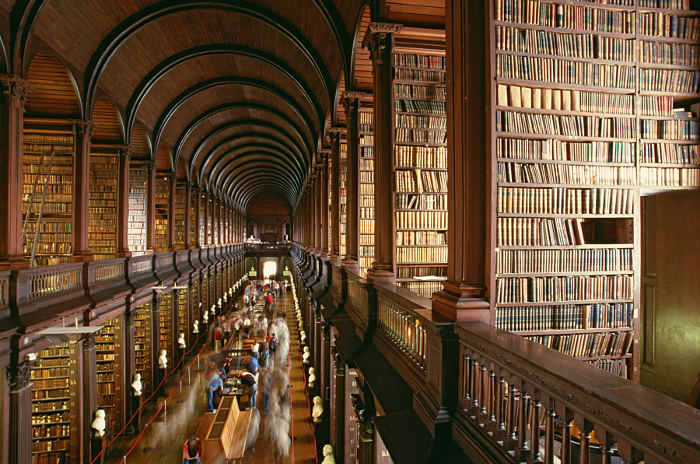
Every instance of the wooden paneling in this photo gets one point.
(108, 125)
(362, 67)
(140, 143)
(163, 159)
(55, 94)
(268, 203)
(415, 12)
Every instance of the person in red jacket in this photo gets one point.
(268, 305)
(191, 450)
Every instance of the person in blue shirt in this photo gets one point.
(215, 384)
(252, 364)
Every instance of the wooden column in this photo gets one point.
(151, 209)
(352, 180)
(12, 99)
(365, 449)
(380, 40)
(324, 205)
(316, 206)
(81, 191)
(88, 393)
(123, 203)
(172, 188)
(128, 364)
(339, 409)
(197, 215)
(188, 215)
(20, 403)
(205, 200)
(335, 194)
(464, 293)
(212, 215)
(155, 339)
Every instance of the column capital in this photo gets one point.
(337, 130)
(379, 39)
(125, 152)
(84, 127)
(15, 86)
(20, 375)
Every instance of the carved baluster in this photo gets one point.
(466, 378)
(492, 394)
(535, 430)
(585, 442)
(566, 437)
(512, 412)
(523, 450)
(550, 415)
(501, 403)
(484, 385)
(475, 386)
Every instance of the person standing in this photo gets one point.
(215, 384)
(248, 379)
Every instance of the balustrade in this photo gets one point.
(403, 329)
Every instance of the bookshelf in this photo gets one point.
(592, 106)
(162, 200)
(166, 337)
(194, 222)
(182, 313)
(108, 349)
(366, 172)
(138, 199)
(205, 295)
(343, 197)
(52, 397)
(196, 311)
(143, 346)
(179, 213)
(420, 169)
(47, 195)
(202, 225)
(102, 226)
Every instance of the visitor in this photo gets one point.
(215, 385)
(248, 379)
(264, 352)
(191, 450)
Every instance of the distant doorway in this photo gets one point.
(269, 269)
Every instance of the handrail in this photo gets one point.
(45, 281)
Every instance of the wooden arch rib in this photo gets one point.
(141, 144)
(229, 80)
(55, 91)
(255, 192)
(164, 158)
(243, 170)
(233, 166)
(256, 186)
(109, 127)
(142, 18)
(171, 63)
(199, 150)
(226, 107)
(261, 147)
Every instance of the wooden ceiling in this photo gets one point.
(236, 96)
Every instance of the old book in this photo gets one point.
(566, 100)
(527, 97)
(547, 99)
(502, 95)
(537, 98)
(556, 99)
(515, 98)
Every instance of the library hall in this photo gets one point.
(350, 231)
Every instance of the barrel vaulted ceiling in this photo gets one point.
(233, 95)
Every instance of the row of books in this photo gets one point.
(47, 140)
(588, 345)
(560, 150)
(576, 126)
(564, 261)
(662, 24)
(50, 406)
(48, 372)
(51, 418)
(565, 16)
(682, 54)
(421, 122)
(670, 4)
(366, 164)
(562, 200)
(433, 254)
(52, 183)
(564, 288)
(578, 100)
(420, 91)
(420, 136)
(670, 129)
(417, 180)
(613, 366)
(422, 288)
(366, 121)
(669, 177)
(539, 232)
(670, 153)
(366, 212)
(49, 246)
(420, 106)
(563, 71)
(545, 173)
(421, 75)
(137, 210)
(50, 207)
(669, 80)
(420, 201)
(427, 237)
(421, 220)
(367, 177)
(420, 157)
(415, 60)
(408, 272)
(51, 431)
(366, 227)
(565, 317)
(572, 45)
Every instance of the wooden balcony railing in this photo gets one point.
(44, 281)
(107, 270)
(403, 329)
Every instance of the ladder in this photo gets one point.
(32, 260)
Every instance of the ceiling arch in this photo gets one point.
(235, 165)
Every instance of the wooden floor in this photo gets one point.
(162, 441)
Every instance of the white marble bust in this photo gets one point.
(312, 377)
(317, 410)
(307, 354)
(99, 424)
(181, 341)
(136, 385)
(328, 455)
(195, 327)
(163, 360)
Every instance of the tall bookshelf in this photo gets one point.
(162, 205)
(138, 199)
(194, 222)
(102, 226)
(166, 336)
(196, 309)
(183, 304)
(52, 397)
(179, 213)
(210, 220)
(108, 348)
(343, 197)
(202, 224)
(590, 108)
(142, 346)
(206, 304)
(366, 207)
(47, 195)
(420, 169)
